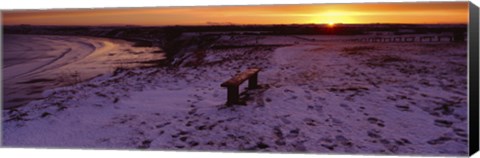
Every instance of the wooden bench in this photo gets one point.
(232, 84)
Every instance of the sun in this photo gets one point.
(331, 24)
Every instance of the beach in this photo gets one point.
(34, 63)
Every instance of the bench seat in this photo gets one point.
(240, 78)
(233, 83)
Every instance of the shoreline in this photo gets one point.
(69, 67)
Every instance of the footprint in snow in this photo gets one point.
(374, 133)
(293, 133)
(403, 107)
(443, 123)
(460, 132)
(376, 121)
(145, 144)
(310, 122)
(390, 146)
(288, 91)
(439, 140)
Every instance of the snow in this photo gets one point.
(320, 96)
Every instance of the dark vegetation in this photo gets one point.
(169, 32)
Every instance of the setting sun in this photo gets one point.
(331, 24)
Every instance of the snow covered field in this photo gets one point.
(328, 95)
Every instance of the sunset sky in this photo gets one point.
(418, 13)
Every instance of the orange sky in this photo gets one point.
(424, 13)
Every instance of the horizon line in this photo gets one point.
(233, 24)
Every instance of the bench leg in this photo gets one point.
(232, 95)
(252, 82)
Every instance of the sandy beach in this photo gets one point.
(34, 63)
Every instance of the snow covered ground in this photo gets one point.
(320, 96)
